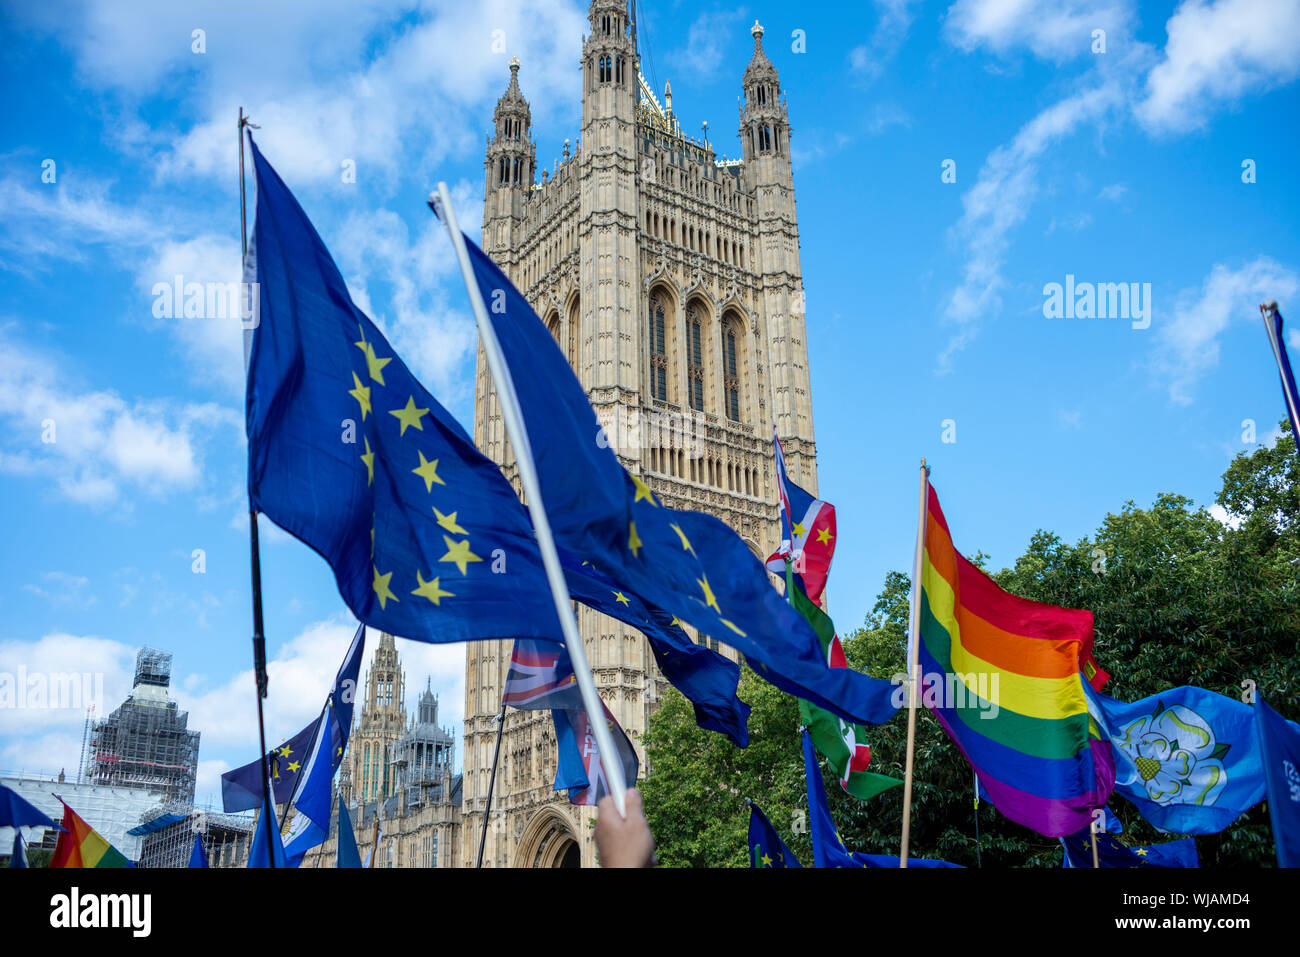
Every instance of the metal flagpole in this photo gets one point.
(913, 664)
(259, 637)
(1092, 831)
(979, 862)
(1268, 311)
(492, 780)
(440, 203)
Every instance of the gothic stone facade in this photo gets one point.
(672, 281)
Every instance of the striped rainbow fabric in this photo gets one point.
(80, 845)
(1037, 757)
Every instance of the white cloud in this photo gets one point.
(1114, 192)
(1217, 53)
(1224, 517)
(1188, 346)
(93, 444)
(894, 19)
(1052, 29)
(706, 42)
(64, 675)
(62, 589)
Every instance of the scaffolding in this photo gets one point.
(167, 836)
(146, 742)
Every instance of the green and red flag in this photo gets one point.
(843, 744)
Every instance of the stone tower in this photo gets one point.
(670, 277)
(377, 726)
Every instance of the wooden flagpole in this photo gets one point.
(913, 664)
(440, 203)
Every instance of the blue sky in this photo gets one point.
(925, 298)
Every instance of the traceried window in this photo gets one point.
(694, 360)
(731, 373)
(658, 351)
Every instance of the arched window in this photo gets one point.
(765, 139)
(730, 372)
(553, 326)
(658, 351)
(575, 337)
(695, 358)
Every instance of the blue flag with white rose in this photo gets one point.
(1187, 758)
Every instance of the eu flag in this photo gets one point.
(349, 453)
(1279, 740)
(766, 849)
(689, 564)
(1112, 853)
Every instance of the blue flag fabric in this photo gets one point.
(347, 854)
(350, 454)
(17, 811)
(1279, 742)
(268, 830)
(828, 849)
(241, 789)
(766, 849)
(18, 857)
(1112, 853)
(1187, 758)
(689, 564)
(197, 856)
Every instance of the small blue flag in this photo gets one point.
(18, 858)
(1279, 741)
(241, 789)
(690, 564)
(766, 849)
(17, 811)
(1112, 853)
(1187, 758)
(828, 849)
(1273, 325)
(198, 858)
(268, 830)
(347, 854)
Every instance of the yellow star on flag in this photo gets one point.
(380, 586)
(824, 536)
(799, 529)
(459, 553)
(767, 861)
(431, 590)
(293, 767)
(642, 492)
(374, 364)
(633, 540)
(362, 394)
(407, 416)
(449, 522)
(621, 598)
(429, 472)
(369, 459)
(733, 627)
(675, 623)
(709, 598)
(285, 752)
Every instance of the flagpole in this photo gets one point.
(259, 637)
(1268, 311)
(913, 665)
(492, 780)
(979, 862)
(440, 203)
(1092, 832)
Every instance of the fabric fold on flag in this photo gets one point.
(198, 857)
(1279, 744)
(689, 564)
(346, 854)
(766, 849)
(267, 832)
(1187, 758)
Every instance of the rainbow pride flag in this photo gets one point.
(1004, 676)
(80, 845)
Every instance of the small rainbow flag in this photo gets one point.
(1004, 676)
(80, 845)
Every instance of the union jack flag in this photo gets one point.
(540, 677)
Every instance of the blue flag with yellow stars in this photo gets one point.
(689, 564)
(350, 454)
(241, 789)
(1112, 853)
(766, 849)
